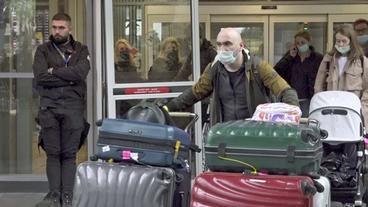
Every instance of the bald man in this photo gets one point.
(236, 90)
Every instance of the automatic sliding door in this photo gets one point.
(253, 30)
(335, 20)
(284, 27)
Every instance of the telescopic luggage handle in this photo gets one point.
(186, 115)
(189, 126)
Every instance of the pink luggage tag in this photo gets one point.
(126, 155)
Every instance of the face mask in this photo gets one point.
(362, 39)
(343, 50)
(304, 48)
(226, 57)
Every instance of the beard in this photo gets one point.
(58, 39)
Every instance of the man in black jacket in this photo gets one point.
(60, 68)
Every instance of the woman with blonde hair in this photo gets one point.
(125, 65)
(168, 63)
(344, 67)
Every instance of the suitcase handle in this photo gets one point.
(186, 115)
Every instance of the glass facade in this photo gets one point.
(150, 47)
(284, 36)
(151, 42)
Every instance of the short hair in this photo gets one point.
(306, 35)
(360, 21)
(62, 17)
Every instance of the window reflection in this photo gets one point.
(162, 41)
(168, 63)
(126, 67)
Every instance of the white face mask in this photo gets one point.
(226, 57)
(343, 50)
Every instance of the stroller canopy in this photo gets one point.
(339, 112)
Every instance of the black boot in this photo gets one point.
(52, 199)
(66, 199)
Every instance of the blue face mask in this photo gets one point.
(304, 48)
(226, 57)
(362, 39)
(343, 50)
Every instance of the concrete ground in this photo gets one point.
(20, 199)
(30, 200)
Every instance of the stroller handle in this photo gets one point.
(190, 125)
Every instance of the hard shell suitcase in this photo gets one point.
(323, 199)
(145, 142)
(272, 147)
(112, 185)
(216, 189)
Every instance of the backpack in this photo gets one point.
(149, 111)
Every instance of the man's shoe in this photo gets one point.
(66, 199)
(52, 199)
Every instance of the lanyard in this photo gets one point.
(66, 60)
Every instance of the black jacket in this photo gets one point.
(66, 86)
(300, 75)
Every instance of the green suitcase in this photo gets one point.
(271, 147)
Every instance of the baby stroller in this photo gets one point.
(344, 157)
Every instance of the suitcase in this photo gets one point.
(144, 142)
(272, 147)
(323, 199)
(216, 189)
(112, 185)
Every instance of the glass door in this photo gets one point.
(146, 47)
(253, 29)
(284, 27)
(335, 20)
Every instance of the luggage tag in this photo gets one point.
(128, 155)
(106, 148)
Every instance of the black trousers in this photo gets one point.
(60, 136)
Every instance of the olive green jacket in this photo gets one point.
(208, 84)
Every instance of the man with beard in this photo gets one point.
(60, 68)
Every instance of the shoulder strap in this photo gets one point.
(362, 61)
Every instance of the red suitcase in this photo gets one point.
(216, 189)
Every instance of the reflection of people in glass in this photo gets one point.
(207, 54)
(125, 65)
(167, 65)
(299, 68)
(342, 68)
